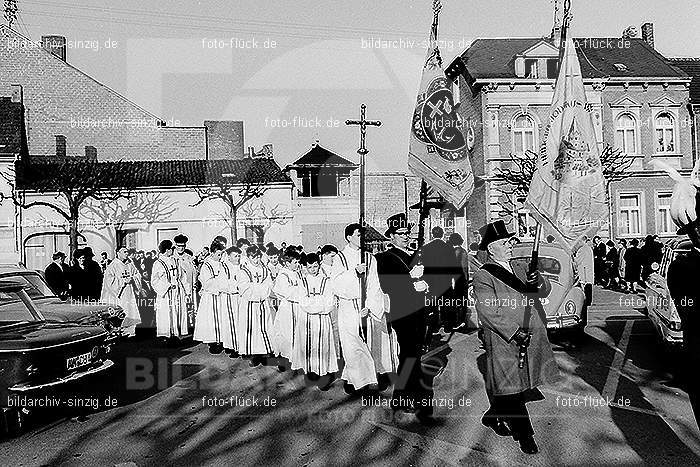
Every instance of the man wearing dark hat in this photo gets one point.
(400, 277)
(518, 354)
(79, 277)
(186, 263)
(56, 274)
(683, 286)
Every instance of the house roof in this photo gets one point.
(48, 175)
(11, 127)
(495, 58)
(692, 67)
(319, 156)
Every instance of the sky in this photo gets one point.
(294, 71)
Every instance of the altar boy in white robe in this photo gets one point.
(209, 325)
(315, 349)
(230, 299)
(381, 338)
(119, 288)
(287, 289)
(359, 371)
(171, 305)
(254, 314)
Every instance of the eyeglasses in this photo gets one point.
(403, 233)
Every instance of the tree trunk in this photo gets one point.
(233, 225)
(73, 231)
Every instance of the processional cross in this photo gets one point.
(362, 151)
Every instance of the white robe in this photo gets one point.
(119, 286)
(315, 349)
(288, 291)
(255, 320)
(229, 301)
(171, 307)
(359, 367)
(186, 263)
(209, 324)
(381, 339)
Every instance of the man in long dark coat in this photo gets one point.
(511, 340)
(440, 263)
(56, 274)
(400, 277)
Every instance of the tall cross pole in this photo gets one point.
(362, 151)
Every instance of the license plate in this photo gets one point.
(80, 360)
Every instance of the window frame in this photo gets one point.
(634, 129)
(674, 132)
(515, 131)
(657, 211)
(641, 210)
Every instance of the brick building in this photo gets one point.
(640, 105)
(53, 112)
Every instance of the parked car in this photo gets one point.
(66, 311)
(656, 297)
(565, 306)
(36, 354)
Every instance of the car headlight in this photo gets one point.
(570, 307)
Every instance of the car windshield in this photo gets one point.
(33, 283)
(13, 310)
(545, 265)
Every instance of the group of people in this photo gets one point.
(625, 266)
(367, 317)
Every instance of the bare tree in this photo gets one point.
(233, 193)
(514, 180)
(266, 216)
(109, 217)
(70, 183)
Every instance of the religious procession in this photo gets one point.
(498, 271)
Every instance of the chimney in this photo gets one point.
(55, 45)
(91, 153)
(224, 139)
(16, 93)
(60, 146)
(648, 33)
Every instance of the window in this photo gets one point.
(626, 134)
(320, 182)
(664, 133)
(630, 215)
(552, 68)
(531, 68)
(527, 225)
(523, 134)
(664, 224)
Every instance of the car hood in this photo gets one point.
(42, 335)
(54, 309)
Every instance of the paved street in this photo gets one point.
(174, 421)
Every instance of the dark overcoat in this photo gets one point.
(501, 310)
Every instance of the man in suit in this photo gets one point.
(57, 275)
(683, 286)
(440, 263)
(518, 354)
(400, 277)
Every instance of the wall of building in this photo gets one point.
(153, 215)
(61, 100)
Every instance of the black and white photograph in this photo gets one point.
(311, 233)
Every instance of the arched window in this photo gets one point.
(664, 133)
(626, 134)
(523, 134)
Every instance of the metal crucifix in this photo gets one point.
(362, 151)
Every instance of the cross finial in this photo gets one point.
(363, 122)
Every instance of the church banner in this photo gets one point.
(567, 193)
(438, 150)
